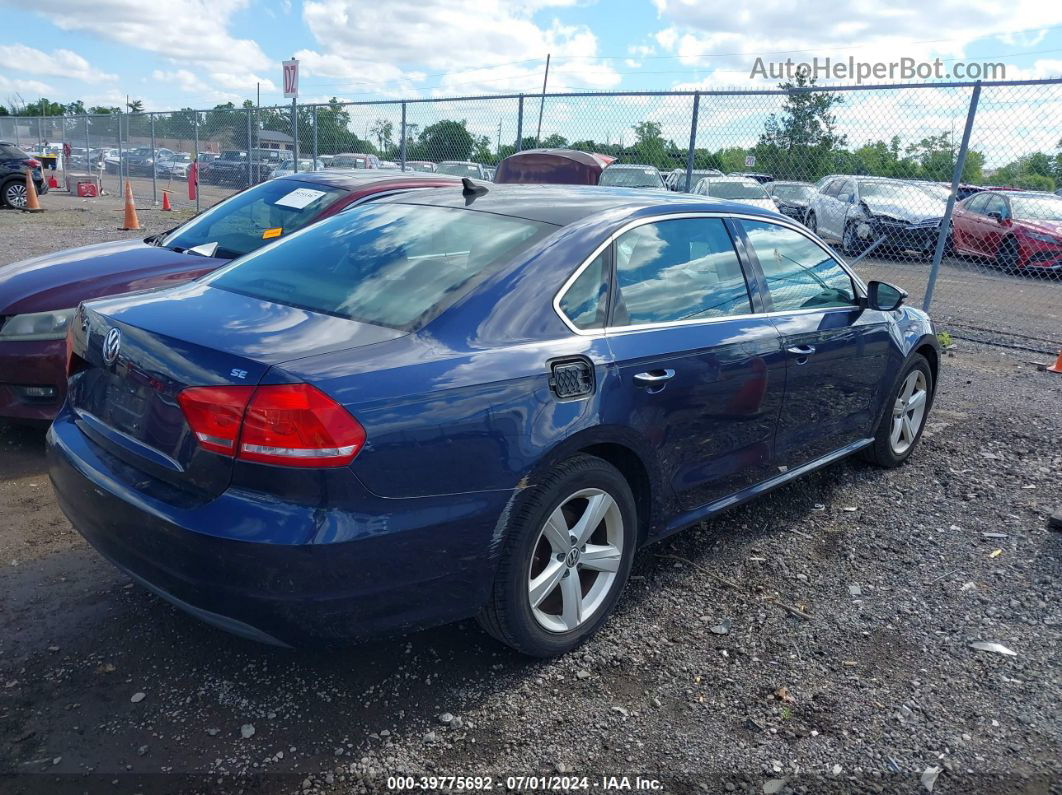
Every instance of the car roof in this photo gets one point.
(565, 204)
(629, 165)
(357, 178)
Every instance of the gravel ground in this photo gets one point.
(817, 640)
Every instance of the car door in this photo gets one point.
(965, 223)
(839, 352)
(842, 202)
(827, 208)
(993, 224)
(699, 376)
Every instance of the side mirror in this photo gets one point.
(844, 198)
(885, 297)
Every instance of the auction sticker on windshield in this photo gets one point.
(299, 198)
(276, 231)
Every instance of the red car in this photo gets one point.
(38, 296)
(1016, 229)
(553, 166)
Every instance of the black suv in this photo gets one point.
(13, 163)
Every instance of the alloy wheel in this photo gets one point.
(909, 411)
(15, 195)
(575, 560)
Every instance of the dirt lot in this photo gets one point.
(706, 679)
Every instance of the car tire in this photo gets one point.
(547, 596)
(13, 193)
(851, 245)
(812, 224)
(1007, 255)
(896, 437)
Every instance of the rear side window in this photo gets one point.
(586, 302)
(800, 274)
(685, 269)
(394, 265)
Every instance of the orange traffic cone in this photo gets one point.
(32, 204)
(166, 208)
(1057, 366)
(131, 221)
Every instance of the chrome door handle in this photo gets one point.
(801, 350)
(654, 377)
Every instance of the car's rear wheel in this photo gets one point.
(13, 194)
(905, 416)
(568, 551)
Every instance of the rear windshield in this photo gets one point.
(630, 177)
(459, 169)
(737, 190)
(394, 265)
(8, 151)
(793, 192)
(254, 217)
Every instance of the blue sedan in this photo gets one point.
(472, 402)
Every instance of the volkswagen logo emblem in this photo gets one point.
(111, 343)
(572, 557)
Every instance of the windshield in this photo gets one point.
(392, 265)
(233, 155)
(737, 190)
(936, 191)
(460, 169)
(253, 217)
(630, 178)
(1036, 208)
(893, 191)
(792, 192)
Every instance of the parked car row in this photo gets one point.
(13, 165)
(372, 401)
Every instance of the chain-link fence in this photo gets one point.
(948, 190)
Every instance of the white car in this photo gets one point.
(742, 190)
(175, 166)
(624, 175)
(287, 167)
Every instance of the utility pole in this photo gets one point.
(542, 102)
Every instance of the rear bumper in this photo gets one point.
(391, 565)
(27, 368)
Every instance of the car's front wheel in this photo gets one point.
(568, 550)
(905, 416)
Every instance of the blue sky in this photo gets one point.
(199, 53)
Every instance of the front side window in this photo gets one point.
(683, 269)
(800, 274)
(977, 203)
(394, 265)
(585, 303)
(995, 204)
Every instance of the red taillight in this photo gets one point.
(214, 414)
(286, 424)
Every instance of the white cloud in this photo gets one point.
(29, 89)
(58, 63)
(190, 32)
(459, 46)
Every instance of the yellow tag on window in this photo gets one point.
(274, 232)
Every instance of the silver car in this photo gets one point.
(742, 190)
(860, 210)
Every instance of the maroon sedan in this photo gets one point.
(1016, 229)
(38, 296)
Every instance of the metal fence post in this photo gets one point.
(315, 137)
(250, 149)
(88, 148)
(402, 140)
(121, 159)
(154, 163)
(692, 153)
(956, 178)
(195, 147)
(520, 126)
(295, 134)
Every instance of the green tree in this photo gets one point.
(383, 131)
(800, 143)
(137, 106)
(936, 156)
(444, 140)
